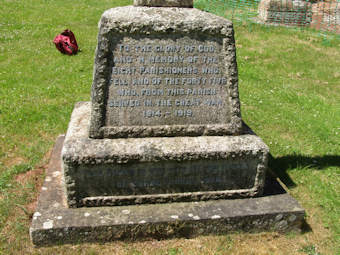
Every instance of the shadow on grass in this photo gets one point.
(305, 227)
(281, 165)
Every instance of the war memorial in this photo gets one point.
(161, 150)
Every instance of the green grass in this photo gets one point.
(38, 85)
(289, 83)
(290, 95)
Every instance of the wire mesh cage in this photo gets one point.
(314, 14)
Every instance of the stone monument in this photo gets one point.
(326, 16)
(285, 12)
(161, 148)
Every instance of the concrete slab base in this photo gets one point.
(55, 223)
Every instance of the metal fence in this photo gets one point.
(322, 16)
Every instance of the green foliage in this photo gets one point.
(135, 252)
(310, 250)
(174, 251)
(289, 82)
(225, 245)
(38, 85)
(8, 175)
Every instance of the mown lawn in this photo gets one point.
(289, 82)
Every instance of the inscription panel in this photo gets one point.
(167, 81)
(167, 177)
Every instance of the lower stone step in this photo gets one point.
(55, 223)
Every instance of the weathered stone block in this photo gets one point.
(164, 72)
(326, 16)
(164, 3)
(163, 125)
(159, 169)
(54, 223)
(285, 12)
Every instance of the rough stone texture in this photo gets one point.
(54, 223)
(326, 16)
(164, 3)
(285, 12)
(121, 109)
(159, 169)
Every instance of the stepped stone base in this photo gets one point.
(55, 223)
(123, 171)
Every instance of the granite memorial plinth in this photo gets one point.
(55, 223)
(164, 72)
(164, 122)
(162, 137)
(159, 169)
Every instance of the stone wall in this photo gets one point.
(285, 12)
(326, 16)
